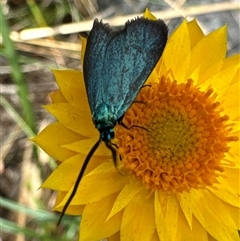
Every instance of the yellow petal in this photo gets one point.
(153, 77)
(47, 140)
(220, 81)
(71, 210)
(85, 193)
(72, 86)
(106, 167)
(196, 233)
(224, 191)
(186, 205)
(235, 215)
(73, 118)
(84, 146)
(138, 218)
(175, 55)
(115, 237)
(65, 176)
(94, 225)
(84, 44)
(236, 77)
(166, 216)
(231, 100)
(60, 196)
(213, 215)
(234, 153)
(76, 210)
(171, 217)
(149, 15)
(230, 61)
(155, 236)
(199, 232)
(210, 238)
(159, 219)
(125, 196)
(157, 71)
(195, 32)
(194, 75)
(57, 97)
(209, 54)
(231, 175)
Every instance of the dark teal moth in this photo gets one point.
(116, 65)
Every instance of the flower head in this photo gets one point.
(181, 170)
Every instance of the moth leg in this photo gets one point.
(114, 154)
(110, 145)
(145, 86)
(138, 102)
(114, 145)
(132, 126)
(117, 148)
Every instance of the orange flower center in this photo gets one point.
(182, 141)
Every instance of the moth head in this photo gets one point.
(107, 134)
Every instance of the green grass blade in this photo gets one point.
(37, 14)
(17, 74)
(13, 228)
(16, 117)
(37, 214)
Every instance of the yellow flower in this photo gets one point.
(177, 181)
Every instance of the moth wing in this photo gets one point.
(130, 57)
(117, 63)
(93, 65)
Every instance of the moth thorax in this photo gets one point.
(103, 117)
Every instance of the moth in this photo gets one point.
(116, 65)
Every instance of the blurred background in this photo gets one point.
(39, 35)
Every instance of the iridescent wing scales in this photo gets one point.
(117, 63)
(93, 64)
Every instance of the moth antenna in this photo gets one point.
(80, 175)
